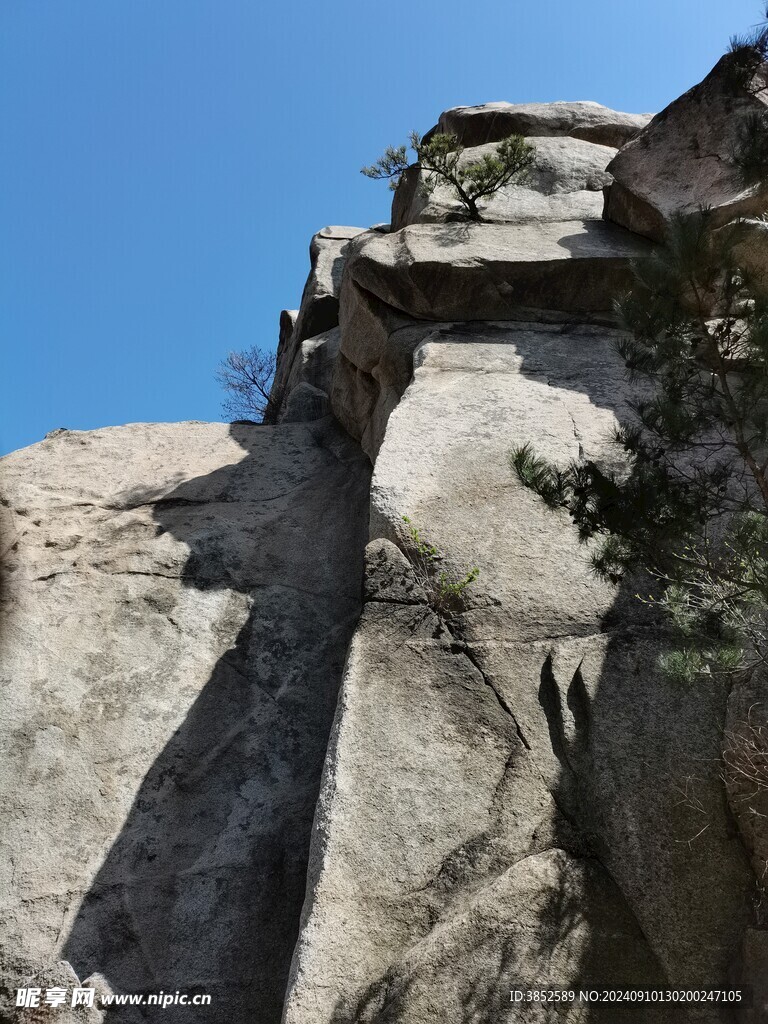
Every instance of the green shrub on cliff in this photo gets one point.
(445, 588)
(440, 160)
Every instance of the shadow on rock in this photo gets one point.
(201, 892)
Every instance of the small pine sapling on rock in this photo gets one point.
(440, 160)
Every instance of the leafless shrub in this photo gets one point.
(248, 378)
(745, 759)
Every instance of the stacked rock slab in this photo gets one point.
(507, 796)
(177, 604)
(491, 122)
(308, 345)
(544, 247)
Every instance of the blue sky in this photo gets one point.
(163, 163)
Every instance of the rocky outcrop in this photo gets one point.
(538, 823)
(564, 183)
(685, 159)
(487, 272)
(288, 319)
(490, 122)
(177, 605)
(506, 796)
(397, 285)
(319, 310)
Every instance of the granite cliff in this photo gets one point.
(244, 755)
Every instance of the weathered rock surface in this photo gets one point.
(177, 604)
(62, 979)
(528, 829)
(565, 183)
(752, 972)
(491, 122)
(319, 311)
(400, 287)
(487, 271)
(684, 159)
(314, 360)
(288, 318)
(306, 403)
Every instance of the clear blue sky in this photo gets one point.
(163, 163)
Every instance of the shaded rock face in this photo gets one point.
(314, 360)
(178, 600)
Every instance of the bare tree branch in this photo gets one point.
(248, 378)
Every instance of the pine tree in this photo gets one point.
(440, 160)
(692, 505)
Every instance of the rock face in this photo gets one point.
(504, 800)
(60, 976)
(684, 159)
(397, 285)
(314, 360)
(178, 601)
(319, 310)
(529, 807)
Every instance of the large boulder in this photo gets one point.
(564, 183)
(177, 604)
(491, 122)
(684, 159)
(492, 271)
